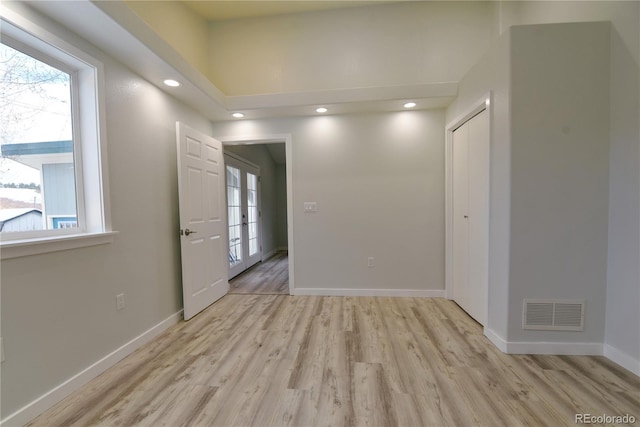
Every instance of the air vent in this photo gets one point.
(553, 315)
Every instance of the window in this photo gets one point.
(36, 139)
(52, 147)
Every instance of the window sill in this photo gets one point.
(27, 247)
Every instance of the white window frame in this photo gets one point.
(89, 136)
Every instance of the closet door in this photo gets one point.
(478, 215)
(461, 287)
(471, 215)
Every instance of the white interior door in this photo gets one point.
(202, 219)
(478, 267)
(243, 208)
(461, 287)
(471, 215)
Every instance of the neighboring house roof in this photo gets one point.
(35, 154)
(37, 148)
(11, 214)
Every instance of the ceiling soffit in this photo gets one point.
(116, 29)
(224, 10)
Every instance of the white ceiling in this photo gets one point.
(224, 10)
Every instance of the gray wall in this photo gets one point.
(378, 180)
(565, 145)
(282, 238)
(622, 333)
(58, 310)
(559, 172)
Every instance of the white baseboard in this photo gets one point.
(30, 411)
(496, 339)
(348, 292)
(564, 348)
(622, 359)
(557, 348)
(544, 347)
(267, 255)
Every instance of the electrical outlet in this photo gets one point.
(1, 350)
(371, 262)
(120, 302)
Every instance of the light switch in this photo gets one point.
(310, 207)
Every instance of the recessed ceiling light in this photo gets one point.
(321, 110)
(409, 105)
(238, 115)
(172, 83)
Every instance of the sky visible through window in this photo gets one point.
(35, 106)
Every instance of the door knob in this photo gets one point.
(187, 232)
(244, 223)
(466, 216)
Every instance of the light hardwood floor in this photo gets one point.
(269, 277)
(269, 360)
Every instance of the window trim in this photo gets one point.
(90, 142)
(26, 247)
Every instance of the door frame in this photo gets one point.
(484, 103)
(275, 139)
(238, 159)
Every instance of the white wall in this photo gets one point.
(378, 180)
(58, 310)
(382, 45)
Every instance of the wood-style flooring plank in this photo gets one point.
(277, 360)
(268, 277)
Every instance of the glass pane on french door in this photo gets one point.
(235, 215)
(252, 210)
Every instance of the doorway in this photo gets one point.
(273, 273)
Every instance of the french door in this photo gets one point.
(243, 208)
